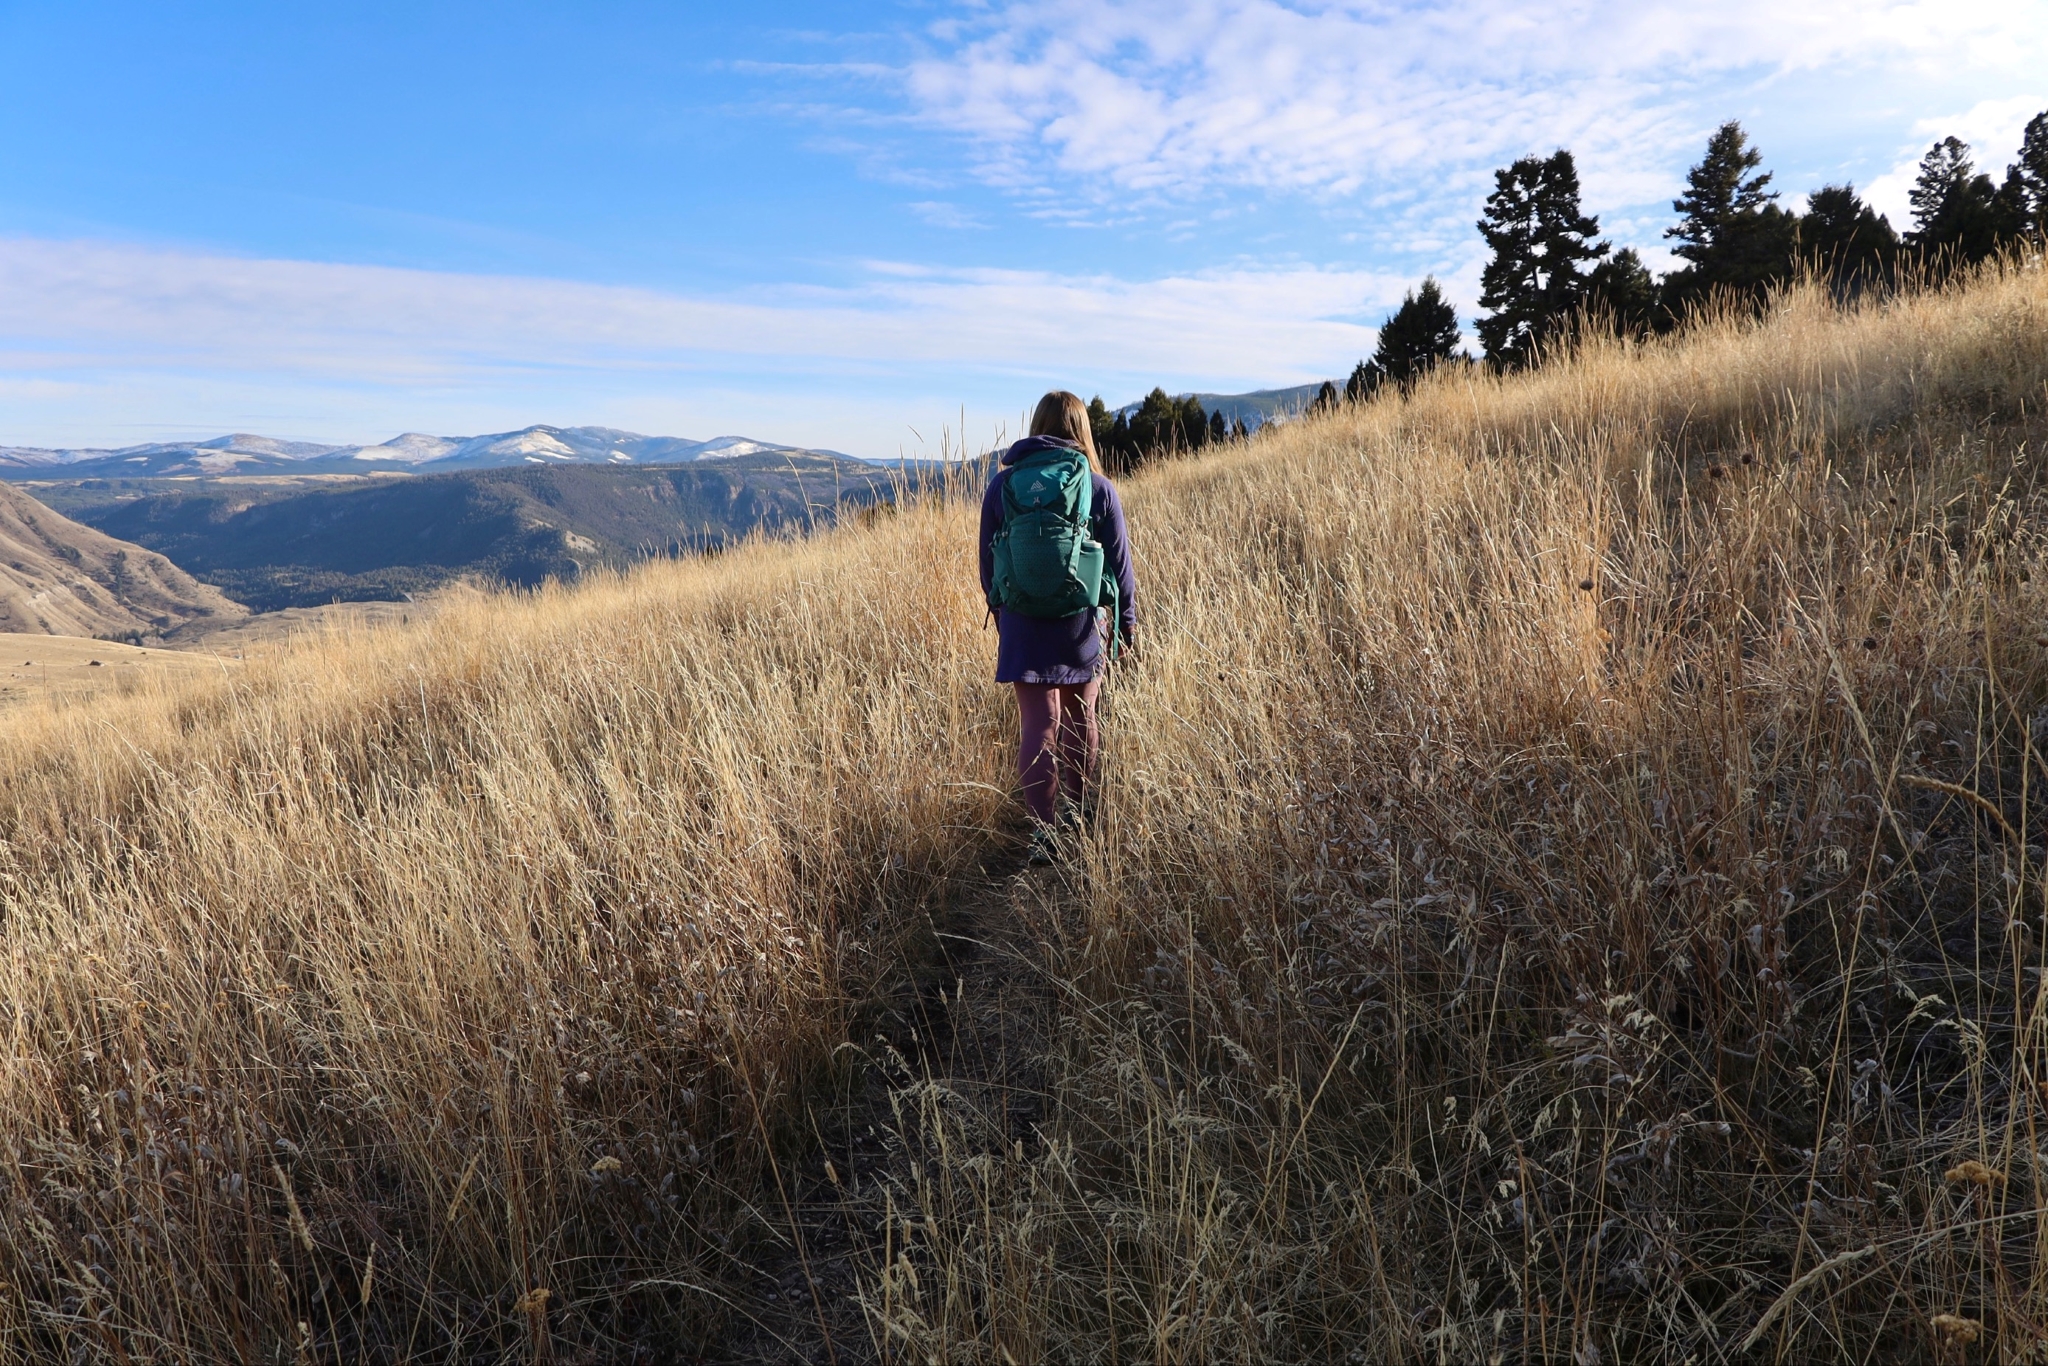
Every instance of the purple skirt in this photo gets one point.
(1048, 650)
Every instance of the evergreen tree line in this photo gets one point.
(1161, 425)
(1550, 266)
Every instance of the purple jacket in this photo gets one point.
(1059, 650)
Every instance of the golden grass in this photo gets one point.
(1551, 901)
(1571, 885)
(399, 940)
(39, 669)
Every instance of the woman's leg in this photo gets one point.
(1080, 741)
(1038, 717)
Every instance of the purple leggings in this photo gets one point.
(1060, 742)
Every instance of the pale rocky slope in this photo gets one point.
(58, 577)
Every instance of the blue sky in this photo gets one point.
(852, 226)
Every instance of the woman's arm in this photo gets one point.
(991, 522)
(1108, 526)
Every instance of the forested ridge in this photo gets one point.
(1550, 271)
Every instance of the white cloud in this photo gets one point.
(102, 318)
(1173, 98)
(1400, 113)
(1087, 111)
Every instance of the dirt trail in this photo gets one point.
(972, 1028)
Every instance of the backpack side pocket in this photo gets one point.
(1088, 560)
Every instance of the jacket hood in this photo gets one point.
(1037, 443)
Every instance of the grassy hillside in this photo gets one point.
(297, 542)
(1568, 888)
(58, 577)
(37, 669)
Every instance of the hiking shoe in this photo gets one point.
(1076, 816)
(1044, 848)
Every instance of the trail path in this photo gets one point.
(972, 1031)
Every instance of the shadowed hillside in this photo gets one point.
(1568, 887)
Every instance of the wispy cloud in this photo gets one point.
(74, 313)
(1302, 130)
(941, 214)
(1331, 98)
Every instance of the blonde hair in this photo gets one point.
(1064, 415)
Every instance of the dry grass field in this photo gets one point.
(231, 639)
(40, 669)
(1569, 888)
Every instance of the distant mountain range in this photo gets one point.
(277, 542)
(413, 453)
(1254, 409)
(275, 524)
(244, 453)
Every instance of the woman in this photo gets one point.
(1054, 661)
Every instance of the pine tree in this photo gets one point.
(1325, 399)
(1363, 382)
(1846, 238)
(1152, 427)
(1622, 294)
(1719, 193)
(1540, 241)
(1100, 424)
(2012, 209)
(1422, 334)
(2031, 172)
(1162, 426)
(1730, 231)
(1219, 428)
(1119, 454)
(1955, 210)
(1943, 172)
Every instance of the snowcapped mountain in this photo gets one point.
(413, 452)
(411, 448)
(222, 455)
(243, 443)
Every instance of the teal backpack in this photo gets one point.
(1046, 562)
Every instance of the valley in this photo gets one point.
(301, 540)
